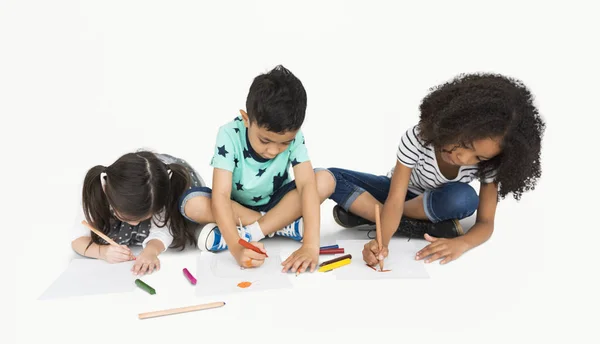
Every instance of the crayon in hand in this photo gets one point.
(251, 247)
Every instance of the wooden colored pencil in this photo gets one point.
(180, 310)
(100, 234)
(378, 230)
(103, 236)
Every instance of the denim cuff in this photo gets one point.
(189, 194)
(356, 191)
(428, 207)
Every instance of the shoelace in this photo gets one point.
(288, 231)
(222, 243)
(411, 231)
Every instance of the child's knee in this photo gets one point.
(325, 183)
(195, 205)
(465, 199)
(196, 208)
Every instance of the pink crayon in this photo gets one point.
(189, 276)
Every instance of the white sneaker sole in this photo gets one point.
(205, 232)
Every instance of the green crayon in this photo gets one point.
(144, 286)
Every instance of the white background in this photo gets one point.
(83, 82)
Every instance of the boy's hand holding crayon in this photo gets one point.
(371, 253)
(249, 258)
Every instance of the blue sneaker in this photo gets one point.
(211, 239)
(294, 230)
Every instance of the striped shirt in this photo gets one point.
(426, 174)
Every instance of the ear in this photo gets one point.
(245, 118)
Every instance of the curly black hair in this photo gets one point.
(484, 105)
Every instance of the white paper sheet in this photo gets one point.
(90, 277)
(401, 261)
(219, 273)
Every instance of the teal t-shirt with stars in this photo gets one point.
(254, 179)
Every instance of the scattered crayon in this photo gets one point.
(332, 251)
(144, 286)
(335, 265)
(189, 276)
(331, 261)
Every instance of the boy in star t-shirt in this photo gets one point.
(251, 181)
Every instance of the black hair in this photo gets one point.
(484, 105)
(137, 185)
(277, 101)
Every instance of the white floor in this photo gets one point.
(83, 82)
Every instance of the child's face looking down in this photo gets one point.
(266, 143)
(481, 150)
(127, 219)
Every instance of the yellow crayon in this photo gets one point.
(334, 265)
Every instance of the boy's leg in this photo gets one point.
(195, 205)
(286, 211)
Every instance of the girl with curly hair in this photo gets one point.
(475, 126)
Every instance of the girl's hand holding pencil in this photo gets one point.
(115, 253)
(371, 253)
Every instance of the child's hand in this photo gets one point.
(147, 261)
(449, 249)
(371, 254)
(301, 259)
(113, 254)
(247, 258)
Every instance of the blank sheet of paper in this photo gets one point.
(219, 273)
(400, 261)
(91, 277)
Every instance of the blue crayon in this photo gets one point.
(329, 247)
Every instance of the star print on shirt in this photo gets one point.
(236, 161)
(278, 180)
(239, 186)
(246, 153)
(237, 130)
(256, 199)
(238, 119)
(223, 151)
(295, 162)
(260, 172)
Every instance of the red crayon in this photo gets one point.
(332, 251)
(250, 246)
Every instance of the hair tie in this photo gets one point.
(169, 171)
(103, 177)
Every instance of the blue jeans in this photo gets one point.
(451, 201)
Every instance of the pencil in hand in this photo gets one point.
(103, 236)
(379, 239)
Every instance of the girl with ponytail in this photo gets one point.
(134, 201)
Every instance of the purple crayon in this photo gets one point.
(189, 276)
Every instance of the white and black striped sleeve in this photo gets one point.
(409, 152)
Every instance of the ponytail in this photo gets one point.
(182, 230)
(94, 202)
